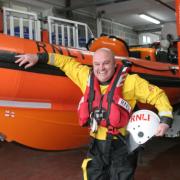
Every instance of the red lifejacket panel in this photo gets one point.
(109, 109)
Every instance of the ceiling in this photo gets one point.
(123, 11)
(127, 12)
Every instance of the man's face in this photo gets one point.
(103, 65)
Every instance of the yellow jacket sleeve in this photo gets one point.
(77, 72)
(138, 89)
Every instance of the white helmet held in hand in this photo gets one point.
(142, 126)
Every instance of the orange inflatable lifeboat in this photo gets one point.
(38, 106)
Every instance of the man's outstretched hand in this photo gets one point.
(28, 60)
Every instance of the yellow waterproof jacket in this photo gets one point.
(134, 89)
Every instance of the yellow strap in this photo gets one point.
(84, 167)
(102, 133)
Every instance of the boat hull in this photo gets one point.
(42, 129)
(39, 111)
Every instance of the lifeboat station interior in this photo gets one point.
(40, 136)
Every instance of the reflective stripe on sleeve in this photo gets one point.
(165, 113)
(51, 59)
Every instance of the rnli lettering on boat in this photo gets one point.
(140, 117)
(75, 53)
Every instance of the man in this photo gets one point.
(110, 94)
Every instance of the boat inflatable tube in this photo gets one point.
(117, 45)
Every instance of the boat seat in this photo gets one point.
(135, 54)
(162, 56)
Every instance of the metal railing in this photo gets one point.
(61, 31)
(22, 24)
(68, 33)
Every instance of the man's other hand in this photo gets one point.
(162, 129)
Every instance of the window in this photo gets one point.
(146, 39)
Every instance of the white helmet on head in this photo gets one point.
(142, 126)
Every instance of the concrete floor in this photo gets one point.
(159, 161)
